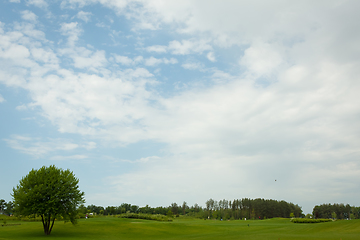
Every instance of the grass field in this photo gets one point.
(117, 228)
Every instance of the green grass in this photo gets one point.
(119, 228)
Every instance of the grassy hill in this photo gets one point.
(118, 228)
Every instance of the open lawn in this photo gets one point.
(118, 228)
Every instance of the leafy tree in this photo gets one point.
(174, 208)
(9, 208)
(134, 208)
(184, 207)
(49, 192)
(2, 205)
(169, 214)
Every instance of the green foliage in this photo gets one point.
(338, 211)
(6, 207)
(2, 205)
(251, 209)
(50, 193)
(155, 217)
(308, 220)
(81, 215)
(169, 214)
(30, 218)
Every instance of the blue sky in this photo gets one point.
(154, 102)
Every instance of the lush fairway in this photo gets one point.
(116, 228)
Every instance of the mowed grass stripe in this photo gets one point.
(118, 228)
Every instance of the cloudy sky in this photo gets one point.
(154, 102)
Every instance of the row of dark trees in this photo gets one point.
(252, 209)
(123, 208)
(6, 208)
(223, 209)
(336, 211)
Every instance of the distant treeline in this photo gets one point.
(223, 209)
(336, 211)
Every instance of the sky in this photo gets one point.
(154, 102)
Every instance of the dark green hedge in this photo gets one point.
(309, 220)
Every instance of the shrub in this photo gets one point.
(309, 220)
(155, 217)
(28, 218)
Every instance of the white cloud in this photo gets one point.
(1, 99)
(21, 107)
(261, 59)
(170, 61)
(44, 55)
(72, 157)
(211, 57)
(14, 1)
(37, 147)
(157, 49)
(156, 61)
(28, 29)
(89, 145)
(183, 47)
(15, 52)
(92, 61)
(28, 16)
(124, 60)
(187, 46)
(85, 16)
(153, 61)
(37, 3)
(136, 161)
(72, 30)
(193, 66)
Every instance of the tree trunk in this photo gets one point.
(46, 224)
(52, 224)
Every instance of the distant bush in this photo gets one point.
(82, 215)
(20, 218)
(309, 220)
(155, 217)
(5, 217)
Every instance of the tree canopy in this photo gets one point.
(48, 192)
